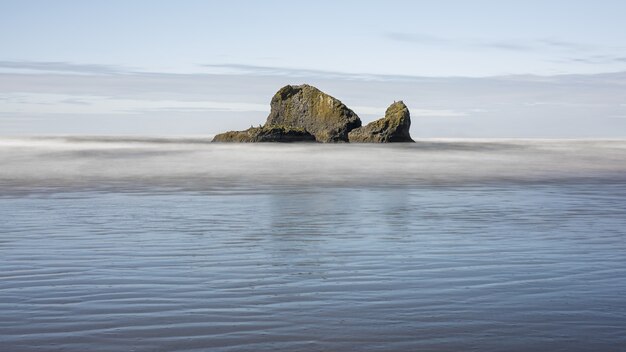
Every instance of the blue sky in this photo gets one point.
(433, 38)
(230, 56)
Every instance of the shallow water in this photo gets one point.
(176, 245)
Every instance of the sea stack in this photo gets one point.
(306, 114)
(305, 106)
(394, 127)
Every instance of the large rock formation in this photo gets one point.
(266, 134)
(306, 114)
(394, 127)
(305, 106)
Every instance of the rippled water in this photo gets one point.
(117, 244)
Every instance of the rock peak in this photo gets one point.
(304, 113)
(322, 115)
(394, 127)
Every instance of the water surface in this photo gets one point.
(151, 244)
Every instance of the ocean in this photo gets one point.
(177, 244)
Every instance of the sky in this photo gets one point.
(545, 69)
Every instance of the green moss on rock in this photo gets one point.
(305, 106)
(304, 113)
(275, 133)
(394, 127)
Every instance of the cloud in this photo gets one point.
(166, 103)
(33, 103)
(302, 73)
(562, 44)
(509, 46)
(380, 111)
(418, 38)
(596, 59)
(74, 101)
(541, 44)
(212, 71)
(437, 113)
(240, 70)
(36, 103)
(63, 67)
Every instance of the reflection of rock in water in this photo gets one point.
(304, 113)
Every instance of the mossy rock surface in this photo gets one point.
(305, 106)
(394, 127)
(283, 134)
(305, 114)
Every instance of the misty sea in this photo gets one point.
(177, 244)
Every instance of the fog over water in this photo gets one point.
(74, 163)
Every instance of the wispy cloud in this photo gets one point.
(563, 44)
(596, 59)
(437, 113)
(211, 71)
(380, 111)
(418, 38)
(508, 46)
(74, 102)
(474, 43)
(432, 40)
(34, 103)
(565, 105)
(302, 73)
(62, 66)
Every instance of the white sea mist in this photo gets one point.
(87, 162)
